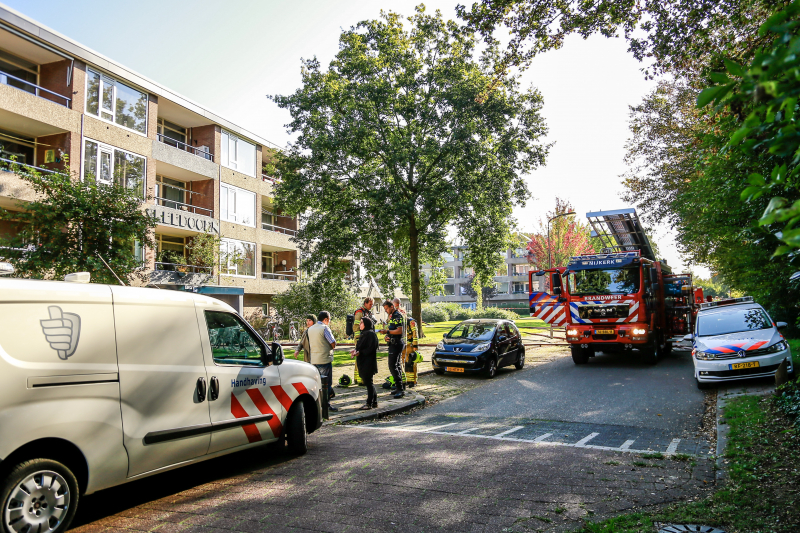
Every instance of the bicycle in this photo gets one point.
(273, 332)
(293, 334)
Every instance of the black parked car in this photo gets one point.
(480, 345)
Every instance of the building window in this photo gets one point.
(449, 290)
(109, 165)
(18, 148)
(238, 258)
(112, 100)
(519, 252)
(171, 134)
(11, 65)
(449, 272)
(521, 269)
(238, 154)
(237, 205)
(171, 251)
(266, 263)
(448, 257)
(502, 288)
(519, 287)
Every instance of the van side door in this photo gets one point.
(162, 378)
(246, 400)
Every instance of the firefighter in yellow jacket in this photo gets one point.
(411, 352)
(364, 310)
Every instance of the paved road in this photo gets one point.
(611, 389)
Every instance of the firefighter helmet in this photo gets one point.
(345, 381)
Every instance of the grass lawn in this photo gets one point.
(760, 495)
(340, 357)
(436, 330)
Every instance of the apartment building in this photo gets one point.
(196, 171)
(511, 280)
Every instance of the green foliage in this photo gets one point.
(494, 312)
(396, 142)
(434, 313)
(306, 297)
(203, 250)
(715, 287)
(71, 224)
(788, 398)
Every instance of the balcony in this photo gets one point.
(178, 274)
(174, 204)
(269, 179)
(8, 165)
(28, 87)
(278, 229)
(184, 269)
(281, 276)
(199, 151)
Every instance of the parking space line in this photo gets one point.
(673, 446)
(540, 438)
(508, 431)
(434, 428)
(582, 443)
(627, 444)
(465, 431)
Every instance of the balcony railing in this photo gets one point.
(199, 151)
(174, 204)
(279, 276)
(13, 81)
(278, 229)
(272, 180)
(186, 269)
(7, 165)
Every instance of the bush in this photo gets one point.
(451, 307)
(494, 312)
(788, 400)
(434, 313)
(462, 313)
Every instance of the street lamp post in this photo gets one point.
(549, 255)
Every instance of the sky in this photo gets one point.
(228, 56)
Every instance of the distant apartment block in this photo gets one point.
(196, 171)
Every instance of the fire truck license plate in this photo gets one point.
(737, 366)
(604, 332)
(454, 369)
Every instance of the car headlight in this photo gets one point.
(777, 347)
(482, 347)
(639, 331)
(704, 356)
(440, 346)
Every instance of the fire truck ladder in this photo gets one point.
(621, 231)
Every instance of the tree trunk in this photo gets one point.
(413, 252)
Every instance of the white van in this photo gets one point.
(100, 385)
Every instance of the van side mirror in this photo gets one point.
(277, 353)
(781, 325)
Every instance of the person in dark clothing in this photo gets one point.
(367, 360)
(395, 341)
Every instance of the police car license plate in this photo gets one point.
(454, 369)
(750, 364)
(604, 332)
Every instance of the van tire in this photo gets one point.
(296, 433)
(48, 499)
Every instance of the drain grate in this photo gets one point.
(683, 528)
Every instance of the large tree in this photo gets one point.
(72, 224)
(395, 145)
(567, 237)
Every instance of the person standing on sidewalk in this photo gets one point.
(394, 339)
(303, 345)
(364, 310)
(366, 360)
(321, 343)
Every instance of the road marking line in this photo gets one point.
(582, 443)
(436, 427)
(508, 431)
(627, 444)
(540, 438)
(466, 431)
(673, 446)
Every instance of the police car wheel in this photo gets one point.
(39, 495)
(296, 434)
(703, 386)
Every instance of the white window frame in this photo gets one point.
(236, 190)
(225, 241)
(103, 147)
(232, 164)
(99, 114)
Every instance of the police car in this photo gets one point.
(736, 339)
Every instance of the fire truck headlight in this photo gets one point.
(572, 333)
(639, 331)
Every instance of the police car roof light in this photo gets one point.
(728, 301)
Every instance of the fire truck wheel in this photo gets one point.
(667, 350)
(296, 435)
(650, 353)
(580, 356)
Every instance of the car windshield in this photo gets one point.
(472, 331)
(732, 321)
(613, 281)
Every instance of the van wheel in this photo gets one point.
(296, 434)
(39, 495)
(580, 356)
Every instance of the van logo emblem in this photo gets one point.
(62, 331)
(740, 353)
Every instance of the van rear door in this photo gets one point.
(162, 378)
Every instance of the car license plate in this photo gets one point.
(749, 364)
(604, 332)
(454, 369)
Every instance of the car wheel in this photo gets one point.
(39, 495)
(703, 386)
(491, 368)
(296, 434)
(580, 356)
(520, 360)
(438, 371)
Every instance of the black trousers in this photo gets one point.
(372, 395)
(395, 365)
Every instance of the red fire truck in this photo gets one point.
(621, 300)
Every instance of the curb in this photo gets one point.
(380, 412)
